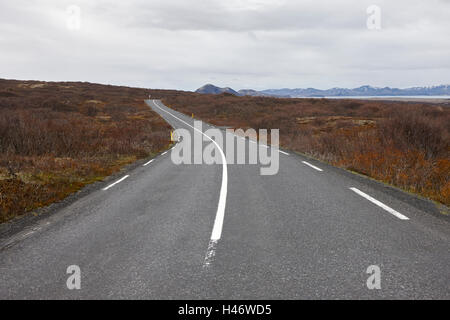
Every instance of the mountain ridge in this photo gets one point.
(365, 90)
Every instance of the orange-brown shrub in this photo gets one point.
(57, 137)
(403, 144)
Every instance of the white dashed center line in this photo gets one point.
(218, 222)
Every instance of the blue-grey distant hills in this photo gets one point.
(333, 92)
(212, 89)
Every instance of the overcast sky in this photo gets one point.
(259, 44)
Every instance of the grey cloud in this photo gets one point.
(238, 43)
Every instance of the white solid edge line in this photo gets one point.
(118, 181)
(163, 153)
(145, 164)
(218, 222)
(312, 166)
(380, 204)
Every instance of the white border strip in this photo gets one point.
(314, 167)
(118, 181)
(380, 204)
(260, 144)
(146, 164)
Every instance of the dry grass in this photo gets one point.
(57, 137)
(403, 144)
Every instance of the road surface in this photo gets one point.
(309, 232)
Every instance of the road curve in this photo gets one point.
(309, 232)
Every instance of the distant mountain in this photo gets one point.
(211, 89)
(362, 91)
(254, 93)
(251, 92)
(333, 92)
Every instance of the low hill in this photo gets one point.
(212, 89)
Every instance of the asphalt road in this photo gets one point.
(300, 234)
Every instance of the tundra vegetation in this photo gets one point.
(57, 137)
(403, 144)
